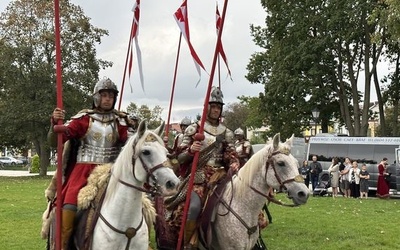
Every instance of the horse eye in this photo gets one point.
(146, 152)
(281, 163)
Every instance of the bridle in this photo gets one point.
(282, 184)
(269, 197)
(151, 189)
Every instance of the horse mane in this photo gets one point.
(254, 164)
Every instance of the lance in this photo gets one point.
(59, 128)
(126, 63)
(200, 135)
(171, 100)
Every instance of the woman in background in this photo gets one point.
(334, 174)
(305, 173)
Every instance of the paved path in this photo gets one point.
(21, 173)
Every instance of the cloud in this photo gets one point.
(158, 38)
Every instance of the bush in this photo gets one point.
(35, 164)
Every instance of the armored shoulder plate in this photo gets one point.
(191, 129)
(229, 136)
(121, 117)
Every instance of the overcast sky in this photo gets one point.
(158, 39)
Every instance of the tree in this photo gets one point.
(243, 114)
(235, 115)
(28, 93)
(314, 54)
(143, 112)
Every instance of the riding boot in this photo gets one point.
(190, 229)
(67, 225)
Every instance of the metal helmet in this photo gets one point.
(239, 131)
(104, 84)
(185, 122)
(216, 96)
(133, 117)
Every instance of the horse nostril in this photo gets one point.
(302, 194)
(170, 185)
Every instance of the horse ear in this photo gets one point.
(160, 130)
(276, 140)
(289, 141)
(141, 128)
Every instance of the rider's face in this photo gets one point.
(214, 111)
(107, 100)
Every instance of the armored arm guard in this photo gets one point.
(186, 156)
(230, 154)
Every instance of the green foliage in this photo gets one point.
(313, 53)
(153, 116)
(27, 63)
(35, 164)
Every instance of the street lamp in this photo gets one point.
(315, 114)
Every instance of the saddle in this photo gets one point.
(167, 239)
(210, 209)
(86, 220)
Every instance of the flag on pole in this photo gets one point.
(181, 17)
(220, 47)
(134, 38)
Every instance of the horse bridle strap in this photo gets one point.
(281, 183)
(130, 232)
(272, 198)
(250, 230)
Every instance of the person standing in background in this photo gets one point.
(354, 174)
(304, 171)
(382, 189)
(364, 185)
(334, 174)
(344, 177)
(316, 169)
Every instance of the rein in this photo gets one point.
(253, 229)
(131, 231)
(250, 230)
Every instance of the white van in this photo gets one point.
(368, 150)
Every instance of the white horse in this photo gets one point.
(141, 167)
(235, 223)
(142, 160)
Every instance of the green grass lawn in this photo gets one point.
(323, 223)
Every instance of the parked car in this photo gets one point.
(8, 160)
(23, 159)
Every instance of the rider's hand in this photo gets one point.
(195, 147)
(58, 114)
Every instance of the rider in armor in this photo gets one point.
(217, 156)
(98, 135)
(133, 123)
(242, 146)
(179, 137)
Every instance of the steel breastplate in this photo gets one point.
(99, 145)
(215, 134)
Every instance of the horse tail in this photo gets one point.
(149, 212)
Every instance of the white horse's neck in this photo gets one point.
(123, 205)
(253, 200)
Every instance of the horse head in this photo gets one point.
(281, 170)
(150, 162)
